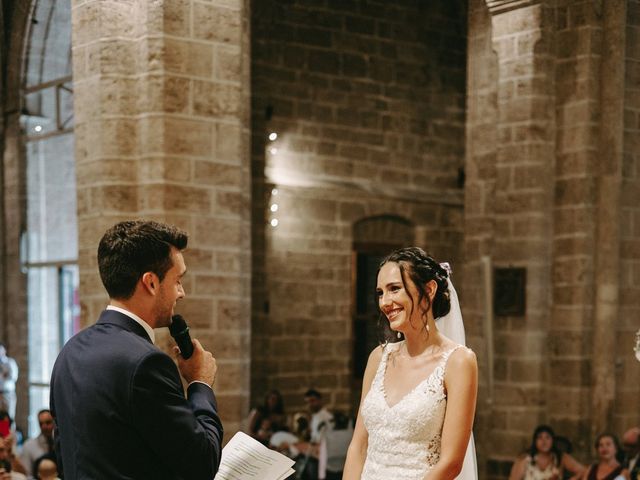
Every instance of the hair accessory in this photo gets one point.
(447, 268)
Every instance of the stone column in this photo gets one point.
(523, 200)
(162, 132)
(480, 169)
(509, 198)
(586, 280)
(609, 219)
(627, 407)
(560, 202)
(13, 281)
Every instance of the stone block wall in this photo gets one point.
(578, 62)
(508, 214)
(550, 134)
(627, 393)
(367, 99)
(162, 132)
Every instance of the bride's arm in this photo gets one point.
(461, 383)
(357, 451)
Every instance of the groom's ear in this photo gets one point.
(150, 283)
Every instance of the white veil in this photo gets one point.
(452, 327)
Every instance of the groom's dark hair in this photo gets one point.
(130, 249)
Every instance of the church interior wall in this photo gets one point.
(494, 134)
(367, 100)
(627, 387)
(549, 186)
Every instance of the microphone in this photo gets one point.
(180, 333)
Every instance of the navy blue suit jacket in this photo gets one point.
(120, 411)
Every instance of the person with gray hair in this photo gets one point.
(8, 379)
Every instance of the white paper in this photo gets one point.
(244, 458)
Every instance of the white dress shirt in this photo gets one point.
(137, 319)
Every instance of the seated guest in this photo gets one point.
(301, 426)
(609, 465)
(34, 448)
(46, 467)
(544, 461)
(631, 445)
(267, 418)
(16, 464)
(6, 472)
(320, 416)
(309, 464)
(333, 447)
(286, 442)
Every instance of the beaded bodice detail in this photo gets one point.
(404, 439)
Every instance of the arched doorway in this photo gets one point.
(373, 239)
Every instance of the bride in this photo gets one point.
(419, 394)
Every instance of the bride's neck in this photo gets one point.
(420, 344)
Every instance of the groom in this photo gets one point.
(117, 400)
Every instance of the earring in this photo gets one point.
(399, 335)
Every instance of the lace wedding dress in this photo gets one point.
(404, 438)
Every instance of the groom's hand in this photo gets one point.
(201, 366)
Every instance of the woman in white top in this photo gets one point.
(544, 460)
(419, 394)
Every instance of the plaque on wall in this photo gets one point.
(509, 287)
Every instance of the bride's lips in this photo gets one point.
(391, 314)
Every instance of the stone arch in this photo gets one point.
(384, 231)
(373, 238)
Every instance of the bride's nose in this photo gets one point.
(384, 300)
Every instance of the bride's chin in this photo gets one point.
(395, 326)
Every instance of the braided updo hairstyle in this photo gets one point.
(420, 268)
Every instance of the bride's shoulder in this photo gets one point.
(462, 358)
(376, 354)
(375, 357)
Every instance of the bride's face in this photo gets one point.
(395, 299)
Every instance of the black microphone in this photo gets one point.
(180, 333)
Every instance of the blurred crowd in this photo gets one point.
(317, 439)
(32, 459)
(549, 458)
(19, 458)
